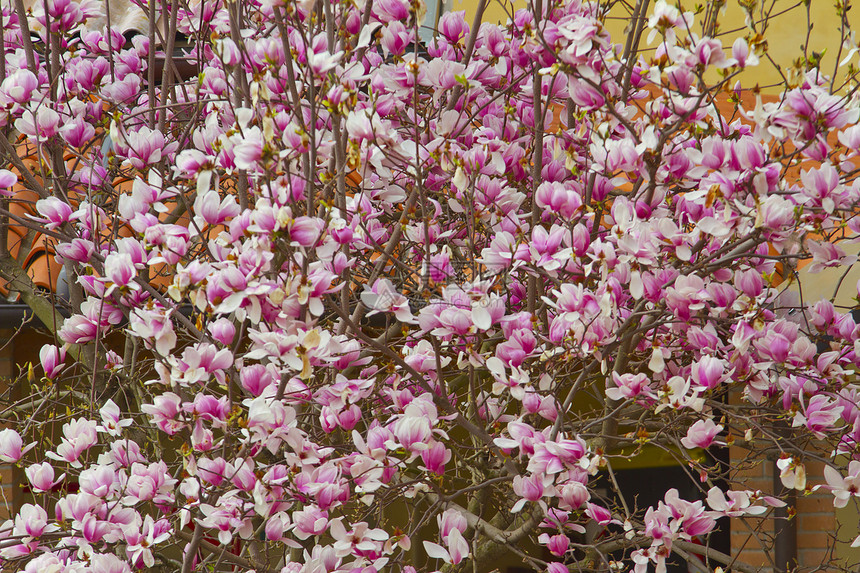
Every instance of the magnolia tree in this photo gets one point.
(333, 298)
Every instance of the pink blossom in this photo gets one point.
(708, 372)
(78, 250)
(529, 488)
(149, 483)
(598, 513)
(119, 269)
(563, 200)
(701, 434)
(77, 132)
(736, 503)
(78, 436)
(41, 477)
(309, 521)
(383, 297)
(304, 231)
(154, 326)
(211, 209)
(108, 563)
(19, 86)
(435, 458)
(741, 54)
(7, 180)
(255, 378)
(52, 359)
(223, 331)
(573, 495)
(144, 147)
(453, 26)
(164, 412)
(55, 210)
(40, 125)
(151, 534)
(843, 489)
(820, 415)
(100, 481)
(11, 446)
(629, 386)
(557, 544)
(32, 521)
(112, 421)
(452, 524)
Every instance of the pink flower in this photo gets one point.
(213, 471)
(383, 297)
(249, 149)
(41, 125)
(305, 231)
(452, 524)
(557, 544)
(843, 489)
(739, 503)
(52, 359)
(255, 378)
(390, 10)
(41, 477)
(629, 386)
(749, 282)
(453, 26)
(140, 543)
(529, 488)
(108, 563)
(598, 513)
(144, 147)
(155, 327)
(413, 433)
(701, 434)
(435, 458)
(223, 331)
(708, 372)
(164, 411)
(211, 209)
(76, 251)
(150, 482)
(820, 415)
(32, 521)
(360, 541)
(78, 132)
(7, 180)
(276, 526)
(309, 521)
(100, 481)
(500, 254)
(18, 87)
(562, 199)
(112, 421)
(573, 495)
(741, 54)
(119, 270)
(54, 210)
(78, 436)
(11, 446)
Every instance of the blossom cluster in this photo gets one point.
(332, 267)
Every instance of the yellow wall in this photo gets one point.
(786, 32)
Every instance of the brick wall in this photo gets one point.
(824, 535)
